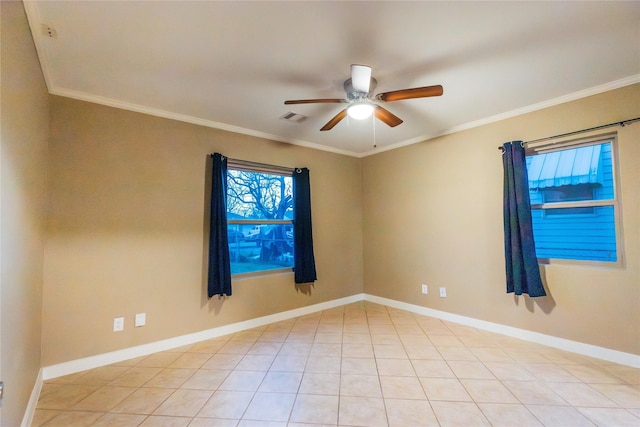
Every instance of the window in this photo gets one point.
(569, 193)
(574, 202)
(260, 220)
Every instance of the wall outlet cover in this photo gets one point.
(443, 292)
(118, 324)
(141, 319)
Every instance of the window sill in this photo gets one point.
(261, 273)
(605, 265)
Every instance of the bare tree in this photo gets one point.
(263, 196)
(257, 195)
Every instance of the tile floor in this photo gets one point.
(361, 364)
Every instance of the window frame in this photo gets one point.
(247, 166)
(564, 144)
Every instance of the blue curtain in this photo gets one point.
(523, 272)
(219, 282)
(304, 261)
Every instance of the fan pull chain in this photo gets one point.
(373, 120)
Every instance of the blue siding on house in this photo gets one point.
(535, 196)
(581, 234)
(606, 190)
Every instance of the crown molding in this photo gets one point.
(33, 17)
(616, 84)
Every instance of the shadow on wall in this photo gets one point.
(304, 288)
(546, 304)
(214, 303)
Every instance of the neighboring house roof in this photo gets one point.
(567, 167)
(231, 215)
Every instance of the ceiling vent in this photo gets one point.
(293, 117)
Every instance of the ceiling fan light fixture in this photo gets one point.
(360, 110)
(361, 101)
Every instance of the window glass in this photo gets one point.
(568, 233)
(260, 221)
(568, 193)
(572, 192)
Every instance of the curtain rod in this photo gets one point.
(622, 123)
(262, 166)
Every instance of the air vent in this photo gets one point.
(293, 117)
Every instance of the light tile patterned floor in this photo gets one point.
(361, 364)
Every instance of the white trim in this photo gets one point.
(616, 84)
(33, 16)
(35, 22)
(78, 365)
(603, 353)
(96, 361)
(82, 96)
(30, 411)
(124, 105)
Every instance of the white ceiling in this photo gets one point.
(231, 65)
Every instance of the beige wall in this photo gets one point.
(126, 220)
(433, 214)
(126, 216)
(24, 135)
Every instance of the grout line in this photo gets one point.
(590, 350)
(305, 328)
(302, 324)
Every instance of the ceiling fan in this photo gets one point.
(359, 90)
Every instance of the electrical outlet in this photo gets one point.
(141, 319)
(118, 324)
(425, 289)
(443, 292)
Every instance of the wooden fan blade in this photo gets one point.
(315, 101)
(418, 92)
(387, 116)
(335, 120)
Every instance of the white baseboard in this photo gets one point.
(30, 411)
(78, 365)
(73, 366)
(603, 353)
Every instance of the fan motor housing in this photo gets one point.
(353, 94)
